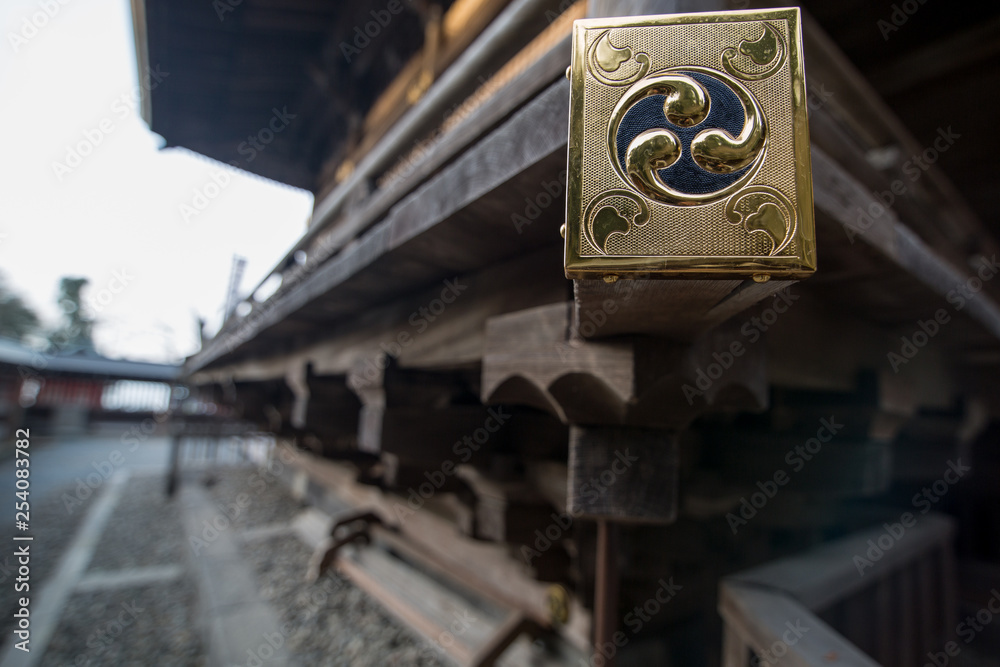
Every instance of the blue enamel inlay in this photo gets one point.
(685, 175)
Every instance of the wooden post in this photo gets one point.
(624, 399)
(618, 475)
(623, 474)
(174, 474)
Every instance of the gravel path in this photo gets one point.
(141, 626)
(330, 622)
(334, 622)
(267, 502)
(120, 626)
(54, 521)
(144, 529)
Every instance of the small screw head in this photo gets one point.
(761, 277)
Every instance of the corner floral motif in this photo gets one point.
(603, 219)
(768, 49)
(605, 58)
(766, 211)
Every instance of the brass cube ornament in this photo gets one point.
(689, 148)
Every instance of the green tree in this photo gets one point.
(76, 331)
(17, 320)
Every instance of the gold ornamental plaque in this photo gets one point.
(689, 148)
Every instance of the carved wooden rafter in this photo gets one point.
(532, 358)
(419, 418)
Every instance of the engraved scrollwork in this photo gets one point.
(604, 218)
(764, 210)
(769, 49)
(606, 58)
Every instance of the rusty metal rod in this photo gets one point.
(606, 589)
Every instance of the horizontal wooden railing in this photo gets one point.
(883, 596)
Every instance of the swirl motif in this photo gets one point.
(605, 58)
(769, 48)
(602, 219)
(721, 158)
(764, 210)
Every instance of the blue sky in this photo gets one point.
(86, 191)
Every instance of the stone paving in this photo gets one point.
(213, 577)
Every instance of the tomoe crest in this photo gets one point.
(689, 147)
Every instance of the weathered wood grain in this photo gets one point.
(759, 618)
(674, 309)
(623, 474)
(796, 576)
(464, 204)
